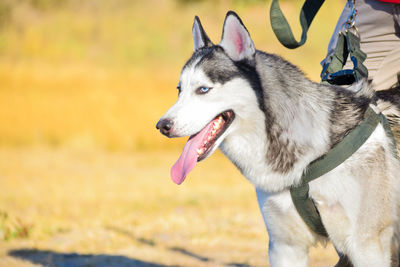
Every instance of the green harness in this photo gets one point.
(336, 156)
(348, 45)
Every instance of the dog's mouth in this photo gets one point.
(218, 127)
(200, 145)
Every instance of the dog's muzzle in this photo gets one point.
(165, 126)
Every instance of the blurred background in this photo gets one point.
(84, 175)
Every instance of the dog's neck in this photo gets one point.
(301, 121)
(273, 148)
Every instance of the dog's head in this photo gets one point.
(212, 93)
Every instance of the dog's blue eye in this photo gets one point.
(202, 90)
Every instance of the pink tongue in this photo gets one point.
(188, 158)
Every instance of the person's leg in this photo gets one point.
(378, 25)
(388, 72)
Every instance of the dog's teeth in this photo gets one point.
(216, 125)
(209, 138)
(199, 151)
(213, 131)
(220, 119)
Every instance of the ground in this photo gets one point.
(97, 208)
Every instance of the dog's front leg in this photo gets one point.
(289, 237)
(282, 254)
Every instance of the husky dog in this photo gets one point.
(271, 122)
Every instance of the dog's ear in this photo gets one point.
(200, 38)
(236, 40)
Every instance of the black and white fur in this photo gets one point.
(283, 121)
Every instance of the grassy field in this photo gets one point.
(110, 209)
(84, 175)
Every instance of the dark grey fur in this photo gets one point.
(217, 66)
(389, 103)
(282, 153)
(204, 36)
(348, 112)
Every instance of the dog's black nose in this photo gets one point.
(165, 126)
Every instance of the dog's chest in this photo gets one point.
(246, 150)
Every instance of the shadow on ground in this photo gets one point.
(56, 259)
(178, 250)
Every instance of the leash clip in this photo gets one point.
(351, 19)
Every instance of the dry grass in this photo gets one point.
(124, 204)
(81, 106)
(82, 169)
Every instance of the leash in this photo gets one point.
(281, 27)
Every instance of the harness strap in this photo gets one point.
(348, 44)
(338, 58)
(305, 206)
(357, 56)
(281, 27)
